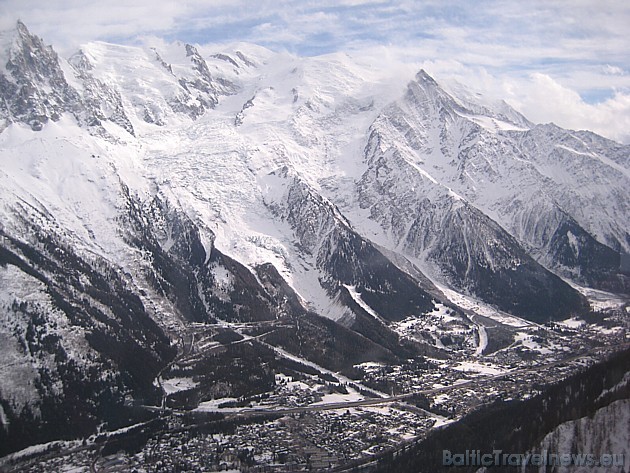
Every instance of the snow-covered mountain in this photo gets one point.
(145, 189)
(606, 430)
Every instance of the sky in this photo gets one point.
(561, 61)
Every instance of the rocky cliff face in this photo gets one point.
(438, 167)
(38, 86)
(34, 88)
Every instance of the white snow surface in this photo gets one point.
(311, 116)
(356, 296)
(174, 385)
(478, 368)
(604, 432)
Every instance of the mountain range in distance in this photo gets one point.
(162, 201)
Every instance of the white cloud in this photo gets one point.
(543, 99)
(613, 70)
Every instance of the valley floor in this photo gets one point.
(314, 419)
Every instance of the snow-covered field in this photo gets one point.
(478, 367)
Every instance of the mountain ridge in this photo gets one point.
(191, 191)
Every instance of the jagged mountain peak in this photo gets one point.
(522, 176)
(80, 61)
(423, 77)
(96, 85)
(33, 84)
(456, 101)
(25, 50)
(21, 26)
(424, 91)
(18, 33)
(191, 50)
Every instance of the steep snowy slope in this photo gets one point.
(600, 434)
(109, 219)
(566, 204)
